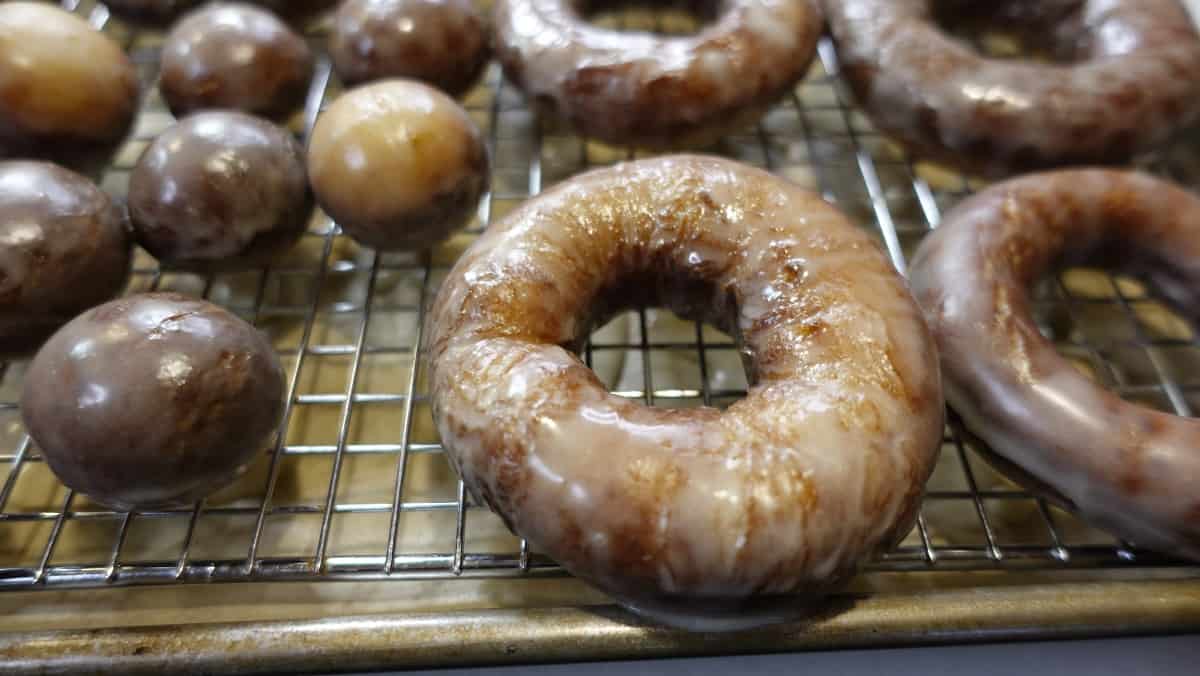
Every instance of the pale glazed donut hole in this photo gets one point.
(64, 87)
(397, 164)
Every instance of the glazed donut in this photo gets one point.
(697, 517)
(650, 90)
(1123, 467)
(1133, 80)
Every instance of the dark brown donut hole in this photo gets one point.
(153, 401)
(234, 55)
(220, 191)
(64, 247)
(444, 43)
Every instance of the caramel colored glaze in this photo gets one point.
(695, 516)
(650, 90)
(397, 164)
(152, 401)
(441, 42)
(1133, 81)
(1125, 468)
(218, 191)
(64, 247)
(234, 56)
(63, 86)
(149, 10)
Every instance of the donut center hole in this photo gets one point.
(668, 18)
(663, 334)
(1043, 32)
(655, 356)
(1125, 332)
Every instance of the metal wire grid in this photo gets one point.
(815, 136)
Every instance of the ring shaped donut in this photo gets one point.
(651, 90)
(1132, 79)
(1127, 468)
(696, 516)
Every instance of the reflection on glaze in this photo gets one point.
(442, 42)
(1133, 81)
(1124, 467)
(693, 515)
(152, 401)
(64, 247)
(397, 164)
(219, 190)
(233, 55)
(62, 84)
(638, 88)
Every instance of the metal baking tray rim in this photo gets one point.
(1050, 611)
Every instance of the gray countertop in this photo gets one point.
(1157, 656)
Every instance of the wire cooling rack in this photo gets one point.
(357, 486)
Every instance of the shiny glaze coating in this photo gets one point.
(642, 89)
(398, 164)
(64, 247)
(441, 42)
(63, 86)
(1124, 467)
(219, 190)
(234, 55)
(1134, 80)
(695, 516)
(152, 401)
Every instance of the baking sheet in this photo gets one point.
(978, 530)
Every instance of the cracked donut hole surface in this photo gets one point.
(1021, 30)
(672, 17)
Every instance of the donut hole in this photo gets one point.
(1044, 32)
(1123, 331)
(659, 340)
(683, 363)
(673, 17)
